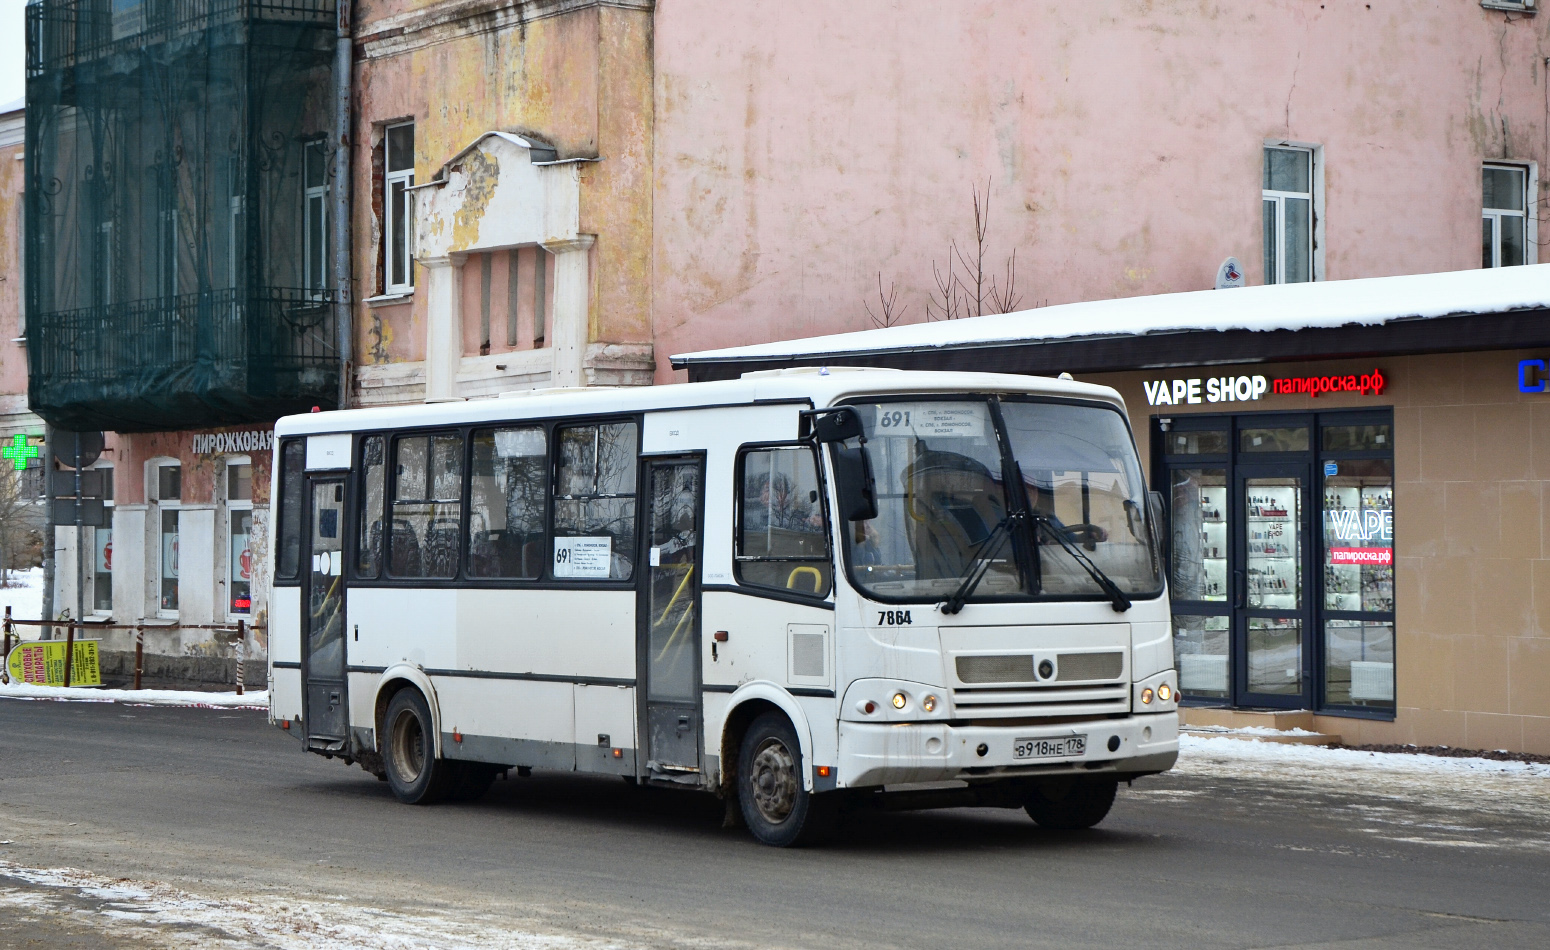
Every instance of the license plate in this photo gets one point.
(1049, 748)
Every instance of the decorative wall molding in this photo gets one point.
(418, 29)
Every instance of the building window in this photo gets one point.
(1504, 222)
(167, 489)
(398, 242)
(239, 531)
(102, 548)
(782, 534)
(315, 220)
(1288, 211)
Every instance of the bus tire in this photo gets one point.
(1071, 805)
(776, 808)
(409, 751)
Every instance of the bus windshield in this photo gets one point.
(940, 467)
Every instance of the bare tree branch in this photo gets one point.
(886, 303)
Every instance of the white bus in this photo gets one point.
(803, 590)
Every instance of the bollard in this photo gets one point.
(139, 650)
(69, 650)
(242, 639)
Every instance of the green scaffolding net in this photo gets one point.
(177, 232)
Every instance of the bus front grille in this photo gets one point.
(1041, 701)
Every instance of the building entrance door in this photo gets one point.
(322, 617)
(1269, 591)
(669, 634)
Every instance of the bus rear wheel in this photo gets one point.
(776, 808)
(1071, 805)
(409, 751)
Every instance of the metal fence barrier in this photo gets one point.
(239, 630)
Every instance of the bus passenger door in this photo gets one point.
(669, 617)
(322, 620)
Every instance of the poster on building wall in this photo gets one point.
(104, 551)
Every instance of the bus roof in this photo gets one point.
(821, 386)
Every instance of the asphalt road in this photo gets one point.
(222, 805)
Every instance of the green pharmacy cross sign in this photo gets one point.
(19, 451)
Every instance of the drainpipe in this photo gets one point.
(344, 66)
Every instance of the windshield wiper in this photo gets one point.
(980, 562)
(1117, 597)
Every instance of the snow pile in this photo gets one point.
(1206, 754)
(1248, 731)
(255, 699)
(1334, 303)
(25, 598)
(169, 917)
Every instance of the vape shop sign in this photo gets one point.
(1218, 389)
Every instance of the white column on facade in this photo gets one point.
(129, 564)
(443, 325)
(572, 309)
(196, 567)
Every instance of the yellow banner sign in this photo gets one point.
(42, 663)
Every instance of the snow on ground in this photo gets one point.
(253, 699)
(25, 598)
(1203, 754)
(175, 918)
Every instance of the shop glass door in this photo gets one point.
(1270, 589)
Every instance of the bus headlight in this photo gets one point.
(928, 704)
(1164, 692)
(899, 699)
(1146, 695)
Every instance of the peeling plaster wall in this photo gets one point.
(13, 356)
(576, 75)
(804, 148)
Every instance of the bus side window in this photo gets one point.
(372, 487)
(292, 469)
(506, 503)
(782, 527)
(594, 502)
(427, 506)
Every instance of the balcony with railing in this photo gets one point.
(65, 33)
(177, 244)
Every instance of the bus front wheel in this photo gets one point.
(1070, 805)
(775, 806)
(409, 751)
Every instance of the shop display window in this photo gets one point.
(1198, 552)
(1201, 649)
(168, 603)
(240, 562)
(102, 570)
(1281, 558)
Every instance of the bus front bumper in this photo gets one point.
(872, 754)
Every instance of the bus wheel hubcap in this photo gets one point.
(408, 746)
(774, 781)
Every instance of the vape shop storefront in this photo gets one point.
(1281, 556)
(1355, 476)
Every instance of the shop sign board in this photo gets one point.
(1179, 392)
(42, 663)
(1533, 376)
(227, 443)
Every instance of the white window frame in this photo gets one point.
(390, 253)
(158, 505)
(1530, 172)
(314, 202)
(1316, 233)
(107, 511)
(233, 506)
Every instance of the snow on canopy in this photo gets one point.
(1335, 303)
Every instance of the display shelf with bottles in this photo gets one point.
(1213, 541)
(1358, 515)
(1274, 565)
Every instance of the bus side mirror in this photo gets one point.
(853, 482)
(831, 425)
